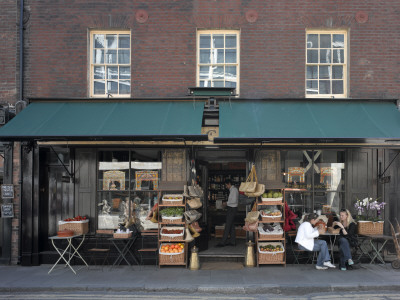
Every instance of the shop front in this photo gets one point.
(115, 167)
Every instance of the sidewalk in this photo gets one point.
(292, 280)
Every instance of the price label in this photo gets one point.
(7, 211)
(7, 191)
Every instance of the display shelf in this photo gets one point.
(270, 239)
(173, 205)
(266, 221)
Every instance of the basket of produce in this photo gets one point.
(172, 233)
(271, 215)
(172, 253)
(172, 199)
(370, 228)
(79, 225)
(271, 198)
(270, 231)
(172, 215)
(270, 253)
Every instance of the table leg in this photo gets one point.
(62, 256)
(76, 251)
(121, 253)
(363, 250)
(377, 251)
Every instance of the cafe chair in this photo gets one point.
(149, 246)
(297, 253)
(99, 250)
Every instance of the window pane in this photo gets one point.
(124, 73)
(218, 72)
(98, 72)
(218, 83)
(218, 41)
(205, 56)
(201, 83)
(312, 72)
(99, 40)
(230, 56)
(324, 87)
(230, 41)
(337, 87)
(124, 41)
(219, 56)
(230, 73)
(205, 41)
(111, 41)
(338, 56)
(230, 84)
(205, 72)
(111, 56)
(337, 72)
(112, 73)
(325, 56)
(124, 87)
(338, 41)
(325, 41)
(98, 87)
(324, 72)
(98, 56)
(112, 87)
(123, 56)
(312, 86)
(312, 40)
(312, 56)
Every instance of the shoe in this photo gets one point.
(220, 245)
(329, 264)
(350, 262)
(343, 269)
(321, 267)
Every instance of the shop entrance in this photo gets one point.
(215, 168)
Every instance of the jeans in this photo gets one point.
(345, 251)
(230, 226)
(321, 247)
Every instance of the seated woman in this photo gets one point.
(347, 237)
(305, 239)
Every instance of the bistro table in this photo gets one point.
(377, 244)
(124, 246)
(70, 249)
(332, 241)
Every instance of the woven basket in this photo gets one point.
(122, 235)
(172, 237)
(271, 201)
(172, 220)
(333, 231)
(172, 202)
(171, 258)
(271, 218)
(270, 236)
(78, 227)
(270, 257)
(370, 228)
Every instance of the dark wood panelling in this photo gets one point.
(392, 189)
(268, 167)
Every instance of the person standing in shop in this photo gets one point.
(232, 206)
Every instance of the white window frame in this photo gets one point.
(237, 64)
(92, 65)
(344, 64)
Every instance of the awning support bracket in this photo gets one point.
(65, 167)
(380, 176)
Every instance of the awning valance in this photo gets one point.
(150, 120)
(308, 120)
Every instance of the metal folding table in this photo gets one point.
(124, 248)
(377, 244)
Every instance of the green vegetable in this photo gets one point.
(172, 212)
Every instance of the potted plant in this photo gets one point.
(369, 213)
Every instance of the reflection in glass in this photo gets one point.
(312, 72)
(230, 56)
(337, 87)
(205, 41)
(325, 40)
(337, 72)
(124, 87)
(324, 87)
(112, 87)
(312, 56)
(338, 56)
(112, 73)
(124, 41)
(111, 56)
(99, 41)
(312, 40)
(98, 56)
(312, 86)
(230, 73)
(218, 41)
(99, 72)
(205, 72)
(98, 87)
(218, 83)
(111, 41)
(230, 41)
(324, 72)
(338, 41)
(205, 56)
(218, 72)
(124, 72)
(230, 84)
(325, 56)
(123, 56)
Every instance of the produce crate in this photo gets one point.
(265, 257)
(271, 218)
(172, 199)
(370, 228)
(271, 201)
(172, 220)
(78, 227)
(172, 237)
(270, 236)
(171, 258)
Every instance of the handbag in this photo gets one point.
(251, 182)
(189, 236)
(195, 190)
(260, 189)
(252, 217)
(191, 216)
(250, 227)
(195, 203)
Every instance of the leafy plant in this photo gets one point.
(172, 212)
(369, 209)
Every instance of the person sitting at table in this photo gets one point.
(347, 237)
(305, 239)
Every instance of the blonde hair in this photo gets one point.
(349, 218)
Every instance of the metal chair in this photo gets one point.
(149, 245)
(99, 249)
(298, 253)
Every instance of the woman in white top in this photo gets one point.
(305, 239)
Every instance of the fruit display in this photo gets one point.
(172, 248)
(171, 231)
(272, 194)
(172, 197)
(271, 248)
(77, 218)
(172, 212)
(269, 213)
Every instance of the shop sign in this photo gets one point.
(7, 191)
(7, 211)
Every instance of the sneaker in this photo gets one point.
(350, 262)
(329, 264)
(321, 267)
(343, 269)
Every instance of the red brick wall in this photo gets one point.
(8, 50)
(164, 47)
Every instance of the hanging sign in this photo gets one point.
(7, 191)
(7, 211)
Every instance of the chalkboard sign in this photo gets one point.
(7, 211)
(7, 191)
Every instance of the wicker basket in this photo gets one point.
(270, 257)
(171, 258)
(370, 228)
(271, 218)
(172, 220)
(172, 237)
(268, 236)
(177, 201)
(331, 230)
(122, 235)
(271, 201)
(78, 227)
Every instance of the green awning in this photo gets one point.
(150, 120)
(308, 120)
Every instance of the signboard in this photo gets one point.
(7, 211)
(7, 191)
